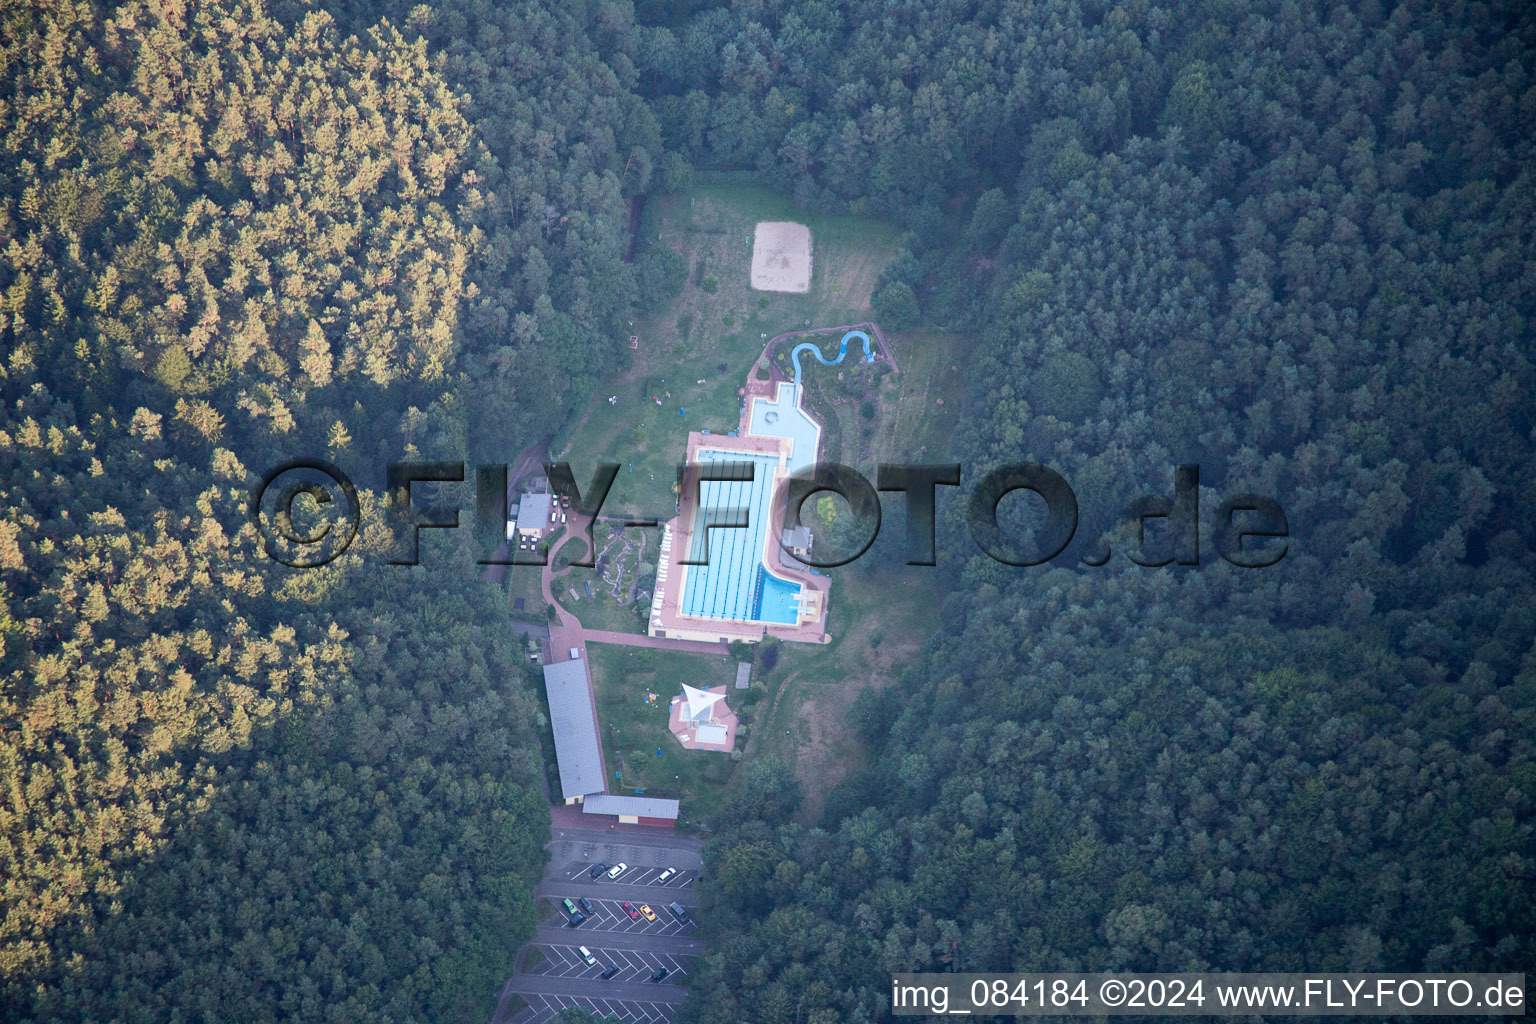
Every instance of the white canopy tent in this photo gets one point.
(700, 705)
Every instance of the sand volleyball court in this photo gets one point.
(781, 257)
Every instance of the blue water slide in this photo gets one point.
(815, 350)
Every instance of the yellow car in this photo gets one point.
(647, 912)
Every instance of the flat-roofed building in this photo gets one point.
(573, 720)
(533, 515)
(798, 541)
(632, 810)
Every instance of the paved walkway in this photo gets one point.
(604, 636)
(567, 631)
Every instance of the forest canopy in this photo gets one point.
(1291, 242)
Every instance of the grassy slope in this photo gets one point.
(690, 340)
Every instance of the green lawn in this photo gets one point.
(603, 611)
(523, 582)
(633, 731)
(871, 415)
(714, 336)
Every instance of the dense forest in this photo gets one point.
(1291, 242)
(232, 235)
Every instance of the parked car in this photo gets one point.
(562, 518)
(577, 918)
(570, 908)
(618, 869)
(629, 908)
(610, 972)
(662, 878)
(565, 501)
(597, 869)
(647, 912)
(586, 904)
(678, 912)
(586, 954)
(661, 972)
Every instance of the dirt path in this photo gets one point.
(531, 458)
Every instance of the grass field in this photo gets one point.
(871, 415)
(714, 335)
(633, 731)
(523, 583)
(880, 611)
(603, 611)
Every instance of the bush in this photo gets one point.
(660, 273)
(711, 283)
(895, 305)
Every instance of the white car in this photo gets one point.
(662, 878)
(618, 869)
(586, 954)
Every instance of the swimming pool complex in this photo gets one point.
(736, 584)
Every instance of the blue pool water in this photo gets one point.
(734, 584)
(776, 599)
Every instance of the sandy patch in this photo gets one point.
(781, 257)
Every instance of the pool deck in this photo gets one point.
(667, 620)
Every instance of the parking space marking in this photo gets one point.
(543, 1007)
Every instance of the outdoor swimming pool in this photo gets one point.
(777, 600)
(781, 416)
(735, 585)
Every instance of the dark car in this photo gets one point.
(610, 972)
(678, 912)
(597, 869)
(660, 972)
(586, 904)
(577, 918)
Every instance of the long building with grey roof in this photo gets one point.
(633, 810)
(573, 721)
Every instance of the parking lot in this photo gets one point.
(610, 916)
(631, 1011)
(633, 964)
(634, 875)
(551, 972)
